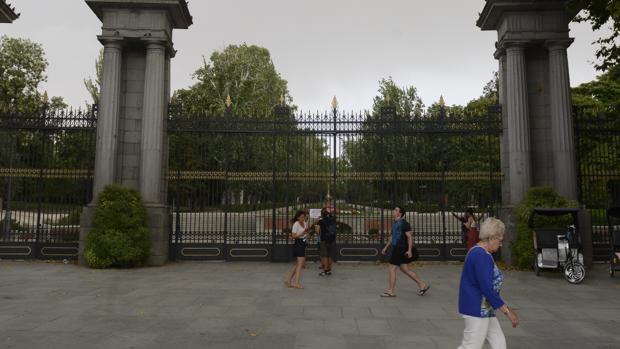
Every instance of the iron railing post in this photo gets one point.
(444, 163)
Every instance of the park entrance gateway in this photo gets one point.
(234, 182)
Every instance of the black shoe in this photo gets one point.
(323, 273)
(329, 272)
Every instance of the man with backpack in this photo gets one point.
(403, 253)
(327, 246)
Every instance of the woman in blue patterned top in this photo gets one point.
(479, 297)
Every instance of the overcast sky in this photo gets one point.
(322, 47)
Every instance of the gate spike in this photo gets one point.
(441, 101)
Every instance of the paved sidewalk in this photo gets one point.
(245, 305)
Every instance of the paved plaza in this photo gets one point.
(245, 305)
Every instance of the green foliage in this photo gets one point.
(93, 86)
(245, 73)
(600, 95)
(248, 75)
(57, 104)
(523, 249)
(22, 69)
(597, 106)
(15, 225)
(120, 237)
(423, 152)
(599, 13)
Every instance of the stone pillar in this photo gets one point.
(518, 123)
(500, 55)
(131, 133)
(153, 116)
(564, 161)
(107, 123)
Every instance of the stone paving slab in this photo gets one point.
(245, 305)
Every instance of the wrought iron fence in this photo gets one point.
(46, 171)
(235, 182)
(597, 142)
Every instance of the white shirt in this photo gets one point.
(299, 228)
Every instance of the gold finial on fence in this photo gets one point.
(334, 103)
(387, 99)
(282, 99)
(228, 101)
(441, 101)
(45, 97)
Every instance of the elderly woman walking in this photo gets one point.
(481, 281)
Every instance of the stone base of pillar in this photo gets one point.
(509, 217)
(86, 224)
(159, 222)
(585, 230)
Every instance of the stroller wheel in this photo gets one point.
(574, 272)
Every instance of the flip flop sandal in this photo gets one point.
(423, 291)
(388, 295)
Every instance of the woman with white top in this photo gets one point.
(300, 234)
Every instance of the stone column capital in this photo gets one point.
(111, 41)
(499, 53)
(514, 45)
(557, 45)
(159, 44)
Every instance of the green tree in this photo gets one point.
(246, 73)
(598, 13)
(22, 69)
(93, 86)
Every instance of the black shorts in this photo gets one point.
(299, 248)
(399, 256)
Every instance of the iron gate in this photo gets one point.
(597, 143)
(235, 182)
(46, 171)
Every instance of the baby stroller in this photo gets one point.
(558, 248)
(614, 239)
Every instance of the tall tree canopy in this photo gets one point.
(598, 13)
(22, 69)
(93, 86)
(246, 73)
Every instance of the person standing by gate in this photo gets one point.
(402, 253)
(327, 247)
(469, 227)
(300, 234)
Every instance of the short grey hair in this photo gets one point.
(491, 227)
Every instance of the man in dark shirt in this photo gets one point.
(327, 246)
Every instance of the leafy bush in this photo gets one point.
(373, 234)
(120, 237)
(15, 225)
(523, 249)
